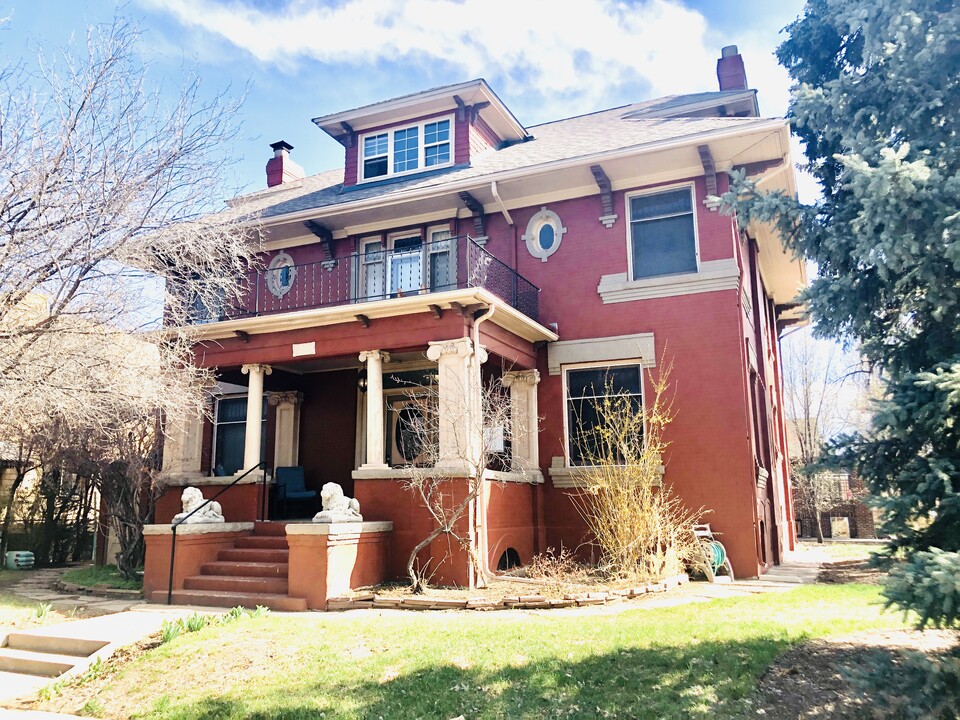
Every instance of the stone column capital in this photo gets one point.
(521, 377)
(375, 355)
(461, 347)
(256, 368)
(291, 397)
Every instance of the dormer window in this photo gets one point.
(407, 149)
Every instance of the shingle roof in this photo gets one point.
(580, 136)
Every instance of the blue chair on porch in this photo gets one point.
(291, 487)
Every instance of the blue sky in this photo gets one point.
(302, 58)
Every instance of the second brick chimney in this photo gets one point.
(730, 70)
(281, 168)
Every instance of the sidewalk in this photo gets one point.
(109, 625)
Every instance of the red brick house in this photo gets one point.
(555, 255)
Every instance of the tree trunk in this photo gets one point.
(819, 522)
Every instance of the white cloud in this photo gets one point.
(573, 53)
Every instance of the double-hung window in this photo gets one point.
(403, 150)
(230, 432)
(441, 265)
(663, 237)
(375, 156)
(587, 389)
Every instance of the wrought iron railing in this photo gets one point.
(378, 274)
(264, 490)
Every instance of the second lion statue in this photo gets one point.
(337, 507)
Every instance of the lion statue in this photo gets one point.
(191, 499)
(337, 507)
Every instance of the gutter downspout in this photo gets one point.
(495, 191)
(480, 510)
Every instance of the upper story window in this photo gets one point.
(663, 237)
(407, 149)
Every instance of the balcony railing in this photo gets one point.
(409, 268)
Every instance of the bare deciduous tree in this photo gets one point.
(108, 228)
(821, 402)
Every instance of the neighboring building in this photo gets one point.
(575, 252)
(848, 515)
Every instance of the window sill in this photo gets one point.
(572, 477)
(714, 275)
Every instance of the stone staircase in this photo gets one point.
(253, 572)
(45, 655)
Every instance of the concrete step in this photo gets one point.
(27, 662)
(275, 529)
(231, 599)
(77, 647)
(228, 583)
(246, 569)
(266, 542)
(254, 555)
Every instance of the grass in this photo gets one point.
(691, 661)
(836, 551)
(18, 612)
(107, 575)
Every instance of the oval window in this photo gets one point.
(281, 273)
(544, 234)
(547, 235)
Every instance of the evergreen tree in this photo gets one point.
(876, 102)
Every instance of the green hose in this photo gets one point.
(716, 554)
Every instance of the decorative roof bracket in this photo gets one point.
(326, 237)
(710, 174)
(606, 195)
(475, 207)
(347, 137)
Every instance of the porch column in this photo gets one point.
(524, 419)
(460, 416)
(251, 439)
(183, 444)
(287, 443)
(375, 440)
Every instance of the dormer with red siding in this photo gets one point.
(425, 132)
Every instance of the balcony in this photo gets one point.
(409, 267)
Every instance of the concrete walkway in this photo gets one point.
(110, 625)
(38, 585)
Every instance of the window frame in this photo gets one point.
(421, 148)
(217, 423)
(428, 248)
(660, 189)
(565, 370)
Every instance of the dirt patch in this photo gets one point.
(850, 571)
(813, 680)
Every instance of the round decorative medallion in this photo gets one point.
(544, 233)
(280, 274)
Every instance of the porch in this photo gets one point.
(341, 418)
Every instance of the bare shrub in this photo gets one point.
(640, 525)
(488, 425)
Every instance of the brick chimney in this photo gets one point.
(281, 168)
(730, 71)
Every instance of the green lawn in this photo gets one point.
(692, 661)
(101, 575)
(18, 612)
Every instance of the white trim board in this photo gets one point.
(617, 347)
(714, 275)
